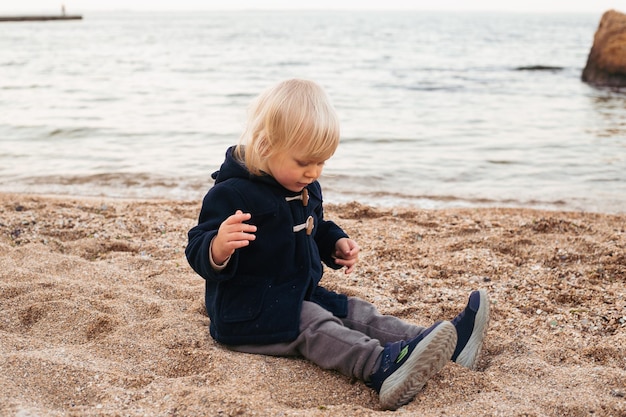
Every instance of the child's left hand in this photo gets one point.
(346, 253)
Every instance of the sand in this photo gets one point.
(100, 314)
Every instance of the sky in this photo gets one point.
(81, 6)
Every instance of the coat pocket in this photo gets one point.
(258, 312)
(241, 299)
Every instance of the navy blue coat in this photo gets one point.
(258, 297)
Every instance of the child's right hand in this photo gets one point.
(232, 234)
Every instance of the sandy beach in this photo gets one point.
(100, 314)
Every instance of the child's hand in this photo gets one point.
(346, 253)
(232, 234)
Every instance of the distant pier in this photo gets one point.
(38, 18)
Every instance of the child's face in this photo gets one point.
(293, 170)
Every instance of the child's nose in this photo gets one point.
(314, 171)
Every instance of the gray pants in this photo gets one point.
(351, 345)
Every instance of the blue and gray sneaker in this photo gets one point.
(471, 327)
(407, 365)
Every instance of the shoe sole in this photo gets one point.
(469, 355)
(429, 356)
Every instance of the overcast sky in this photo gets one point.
(80, 6)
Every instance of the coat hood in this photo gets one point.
(233, 168)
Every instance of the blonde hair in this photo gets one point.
(294, 114)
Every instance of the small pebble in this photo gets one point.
(618, 393)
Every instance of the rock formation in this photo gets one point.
(606, 64)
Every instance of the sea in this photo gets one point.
(437, 109)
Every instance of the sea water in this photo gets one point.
(437, 109)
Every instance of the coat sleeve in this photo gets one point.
(218, 204)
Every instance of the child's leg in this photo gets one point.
(325, 341)
(397, 371)
(365, 318)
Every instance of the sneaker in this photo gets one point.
(471, 327)
(407, 365)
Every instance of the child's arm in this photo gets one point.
(232, 234)
(216, 213)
